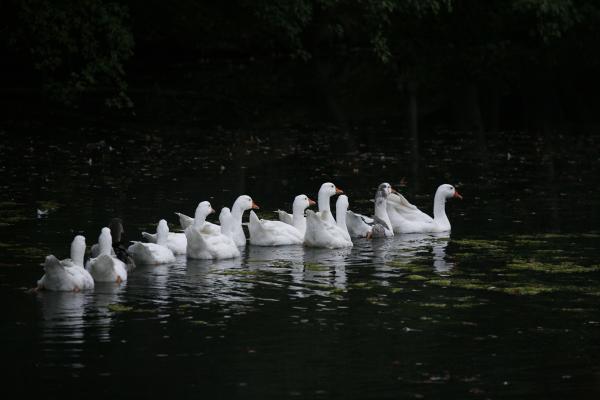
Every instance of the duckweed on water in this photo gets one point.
(361, 285)
(530, 242)
(415, 277)
(314, 267)
(530, 290)
(410, 267)
(439, 282)
(467, 305)
(481, 244)
(434, 305)
(115, 307)
(376, 301)
(562, 268)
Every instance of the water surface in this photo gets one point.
(504, 307)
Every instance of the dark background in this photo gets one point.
(528, 65)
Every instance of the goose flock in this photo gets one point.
(111, 260)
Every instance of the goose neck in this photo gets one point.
(381, 210)
(439, 207)
(323, 200)
(77, 253)
(298, 217)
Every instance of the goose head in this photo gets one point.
(448, 191)
(244, 203)
(302, 202)
(203, 210)
(384, 190)
(329, 189)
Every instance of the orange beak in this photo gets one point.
(212, 210)
(255, 206)
(338, 190)
(457, 195)
(311, 202)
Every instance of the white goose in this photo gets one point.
(68, 274)
(320, 232)
(186, 221)
(273, 233)
(105, 267)
(153, 253)
(231, 221)
(118, 248)
(297, 218)
(327, 190)
(203, 242)
(407, 218)
(176, 241)
(380, 225)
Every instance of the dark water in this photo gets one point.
(507, 307)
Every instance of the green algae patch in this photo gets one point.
(550, 251)
(416, 277)
(199, 323)
(397, 290)
(561, 268)
(465, 254)
(314, 267)
(361, 285)
(338, 291)
(530, 242)
(439, 282)
(470, 284)
(481, 244)
(434, 305)
(318, 286)
(529, 290)
(409, 267)
(466, 305)
(376, 301)
(115, 307)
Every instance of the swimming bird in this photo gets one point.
(327, 190)
(153, 253)
(297, 218)
(118, 248)
(68, 274)
(407, 218)
(272, 233)
(379, 226)
(321, 232)
(106, 267)
(206, 244)
(231, 221)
